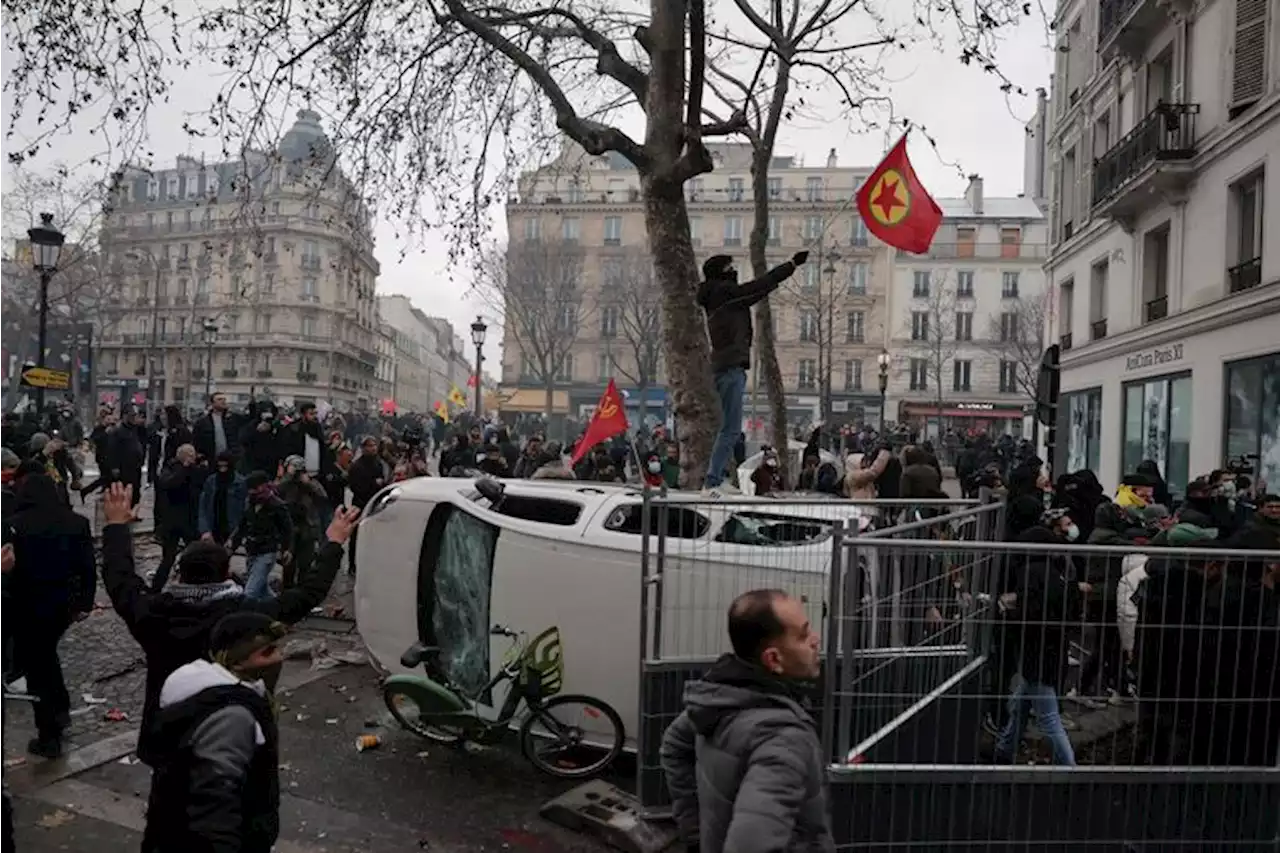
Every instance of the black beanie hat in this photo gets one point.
(716, 265)
(256, 479)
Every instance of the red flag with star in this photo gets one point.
(895, 205)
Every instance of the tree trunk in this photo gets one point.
(642, 407)
(667, 221)
(549, 404)
(696, 406)
(775, 392)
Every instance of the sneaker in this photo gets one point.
(45, 747)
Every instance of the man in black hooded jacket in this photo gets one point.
(728, 306)
(173, 626)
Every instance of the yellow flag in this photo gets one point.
(456, 397)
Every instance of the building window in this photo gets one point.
(807, 375)
(1155, 274)
(567, 321)
(964, 284)
(309, 293)
(610, 273)
(1066, 306)
(919, 326)
(695, 230)
(857, 327)
(609, 322)
(308, 326)
(966, 238)
(919, 374)
(1008, 377)
(268, 283)
(736, 189)
(1008, 327)
(571, 229)
(961, 371)
(1157, 426)
(1008, 285)
(812, 276)
(1010, 242)
(964, 325)
(262, 324)
(853, 375)
(1080, 421)
(775, 187)
(775, 230)
(173, 186)
(813, 189)
(693, 189)
(1245, 271)
(613, 230)
(1253, 417)
(532, 229)
(305, 364)
(920, 284)
(604, 368)
(812, 228)
(733, 230)
(858, 233)
(809, 327)
(565, 373)
(858, 279)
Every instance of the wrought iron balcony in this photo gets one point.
(1154, 156)
(1064, 341)
(1156, 309)
(1244, 276)
(1128, 26)
(1098, 329)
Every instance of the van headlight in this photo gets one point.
(381, 501)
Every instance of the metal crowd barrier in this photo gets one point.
(1183, 755)
(699, 554)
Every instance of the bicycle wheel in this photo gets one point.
(419, 710)
(572, 736)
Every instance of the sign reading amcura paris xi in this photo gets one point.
(1154, 357)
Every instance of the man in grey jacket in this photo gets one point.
(743, 761)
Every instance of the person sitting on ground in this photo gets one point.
(216, 785)
(173, 626)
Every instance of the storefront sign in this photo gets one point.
(977, 407)
(1153, 357)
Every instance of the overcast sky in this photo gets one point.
(976, 126)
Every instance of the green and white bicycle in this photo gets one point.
(567, 736)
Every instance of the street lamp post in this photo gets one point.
(827, 306)
(478, 330)
(46, 246)
(883, 359)
(210, 329)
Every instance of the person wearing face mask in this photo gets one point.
(653, 471)
(1045, 595)
(728, 306)
(222, 500)
(216, 783)
(767, 478)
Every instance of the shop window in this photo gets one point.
(1081, 429)
(1252, 412)
(455, 576)
(1157, 426)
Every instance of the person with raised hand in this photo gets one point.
(173, 625)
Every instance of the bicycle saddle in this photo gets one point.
(416, 654)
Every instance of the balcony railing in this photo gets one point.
(1111, 15)
(1064, 341)
(1156, 309)
(1244, 276)
(1098, 329)
(988, 251)
(1167, 133)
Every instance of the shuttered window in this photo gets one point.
(1249, 64)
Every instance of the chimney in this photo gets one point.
(831, 159)
(973, 194)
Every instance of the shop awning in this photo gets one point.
(532, 400)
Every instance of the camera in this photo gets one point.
(1238, 465)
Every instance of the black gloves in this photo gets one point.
(799, 258)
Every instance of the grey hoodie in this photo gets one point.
(744, 765)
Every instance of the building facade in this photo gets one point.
(969, 318)
(429, 357)
(246, 278)
(830, 318)
(1165, 273)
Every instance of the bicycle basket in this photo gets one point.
(542, 666)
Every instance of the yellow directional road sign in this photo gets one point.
(46, 377)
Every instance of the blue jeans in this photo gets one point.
(731, 384)
(260, 566)
(1028, 695)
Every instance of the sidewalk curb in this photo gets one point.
(35, 775)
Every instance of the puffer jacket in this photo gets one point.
(744, 765)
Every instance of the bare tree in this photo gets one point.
(795, 46)
(537, 287)
(630, 314)
(930, 332)
(1016, 336)
(820, 300)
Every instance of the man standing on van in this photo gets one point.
(728, 307)
(743, 761)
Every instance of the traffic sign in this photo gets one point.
(46, 377)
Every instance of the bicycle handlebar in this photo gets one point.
(503, 631)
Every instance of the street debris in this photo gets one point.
(90, 699)
(129, 760)
(365, 742)
(332, 721)
(55, 819)
(115, 715)
(14, 762)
